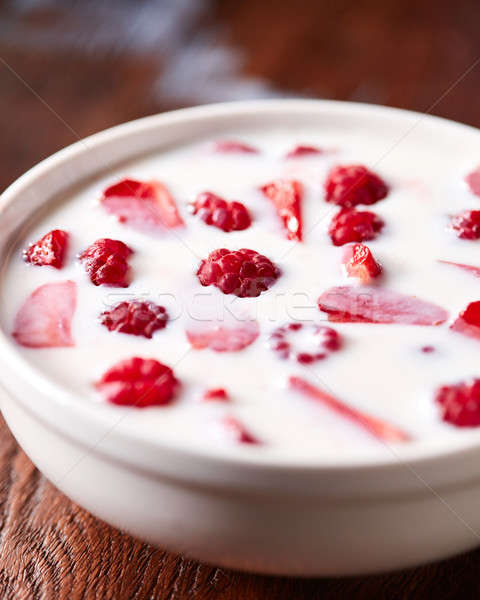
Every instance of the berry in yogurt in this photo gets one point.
(350, 225)
(228, 216)
(105, 261)
(50, 250)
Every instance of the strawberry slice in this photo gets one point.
(468, 321)
(145, 205)
(286, 196)
(303, 150)
(359, 262)
(50, 250)
(473, 181)
(347, 304)
(222, 338)
(234, 146)
(378, 428)
(470, 268)
(44, 320)
(237, 431)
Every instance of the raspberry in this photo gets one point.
(350, 185)
(467, 225)
(468, 321)
(135, 318)
(234, 146)
(218, 394)
(222, 337)
(49, 250)
(350, 225)
(45, 318)
(145, 205)
(245, 273)
(105, 262)
(138, 382)
(287, 198)
(325, 339)
(380, 429)
(229, 216)
(359, 262)
(460, 403)
(346, 304)
(302, 150)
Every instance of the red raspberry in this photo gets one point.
(105, 262)
(359, 262)
(324, 340)
(49, 250)
(138, 382)
(286, 196)
(350, 225)
(229, 216)
(218, 394)
(135, 318)
(460, 403)
(350, 185)
(467, 225)
(245, 273)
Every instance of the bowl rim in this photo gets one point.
(89, 416)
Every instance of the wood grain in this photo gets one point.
(409, 54)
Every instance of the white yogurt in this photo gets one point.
(381, 368)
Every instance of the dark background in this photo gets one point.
(71, 68)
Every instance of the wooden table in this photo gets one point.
(69, 69)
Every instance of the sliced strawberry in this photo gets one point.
(49, 250)
(286, 196)
(375, 305)
(234, 146)
(45, 318)
(216, 394)
(473, 181)
(222, 337)
(303, 150)
(380, 429)
(470, 268)
(238, 432)
(359, 262)
(145, 205)
(468, 321)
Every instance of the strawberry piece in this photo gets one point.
(286, 196)
(470, 268)
(106, 263)
(213, 210)
(473, 181)
(45, 318)
(467, 225)
(234, 146)
(350, 225)
(135, 318)
(460, 403)
(380, 429)
(49, 250)
(238, 432)
(138, 382)
(144, 205)
(359, 262)
(222, 338)
(301, 151)
(468, 321)
(347, 304)
(350, 185)
(217, 394)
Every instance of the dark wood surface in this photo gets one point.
(68, 69)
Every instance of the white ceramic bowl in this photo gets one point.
(315, 519)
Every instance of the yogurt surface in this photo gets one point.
(380, 369)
